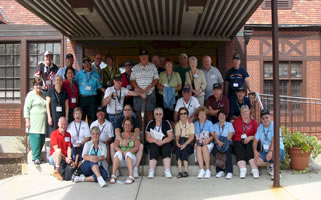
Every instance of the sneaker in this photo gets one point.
(136, 175)
(208, 174)
(243, 172)
(36, 162)
(151, 173)
(220, 174)
(57, 175)
(270, 170)
(255, 173)
(101, 181)
(80, 178)
(168, 173)
(229, 175)
(117, 173)
(201, 174)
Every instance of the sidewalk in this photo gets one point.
(294, 186)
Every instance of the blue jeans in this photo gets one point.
(87, 171)
(114, 118)
(263, 156)
(75, 151)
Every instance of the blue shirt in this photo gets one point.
(265, 134)
(225, 130)
(88, 82)
(236, 106)
(236, 79)
(206, 127)
(62, 72)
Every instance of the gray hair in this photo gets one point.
(95, 129)
(192, 58)
(244, 107)
(182, 54)
(58, 76)
(158, 109)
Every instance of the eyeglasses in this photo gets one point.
(266, 117)
(183, 113)
(159, 114)
(128, 65)
(127, 109)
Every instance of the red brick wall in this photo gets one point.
(302, 12)
(10, 118)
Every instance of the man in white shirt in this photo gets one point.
(80, 134)
(114, 99)
(188, 101)
(106, 130)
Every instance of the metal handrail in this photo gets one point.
(292, 97)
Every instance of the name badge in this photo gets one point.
(73, 100)
(88, 87)
(212, 76)
(119, 108)
(67, 139)
(48, 82)
(58, 109)
(266, 147)
(195, 75)
(129, 87)
(165, 85)
(243, 136)
(235, 85)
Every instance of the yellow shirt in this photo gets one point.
(182, 130)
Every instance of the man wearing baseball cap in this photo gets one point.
(237, 103)
(69, 63)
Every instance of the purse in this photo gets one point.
(220, 160)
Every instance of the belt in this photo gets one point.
(86, 96)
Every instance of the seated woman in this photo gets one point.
(265, 135)
(94, 153)
(159, 145)
(128, 153)
(204, 145)
(245, 129)
(184, 132)
(223, 133)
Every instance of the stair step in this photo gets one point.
(31, 169)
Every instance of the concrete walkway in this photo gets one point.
(294, 186)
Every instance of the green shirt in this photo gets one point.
(182, 71)
(172, 81)
(35, 109)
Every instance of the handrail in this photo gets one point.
(292, 97)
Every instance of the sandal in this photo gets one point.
(113, 179)
(185, 174)
(130, 180)
(179, 175)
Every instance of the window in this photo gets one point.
(10, 72)
(35, 55)
(282, 4)
(291, 79)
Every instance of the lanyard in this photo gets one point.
(169, 79)
(96, 152)
(266, 133)
(190, 101)
(57, 97)
(72, 89)
(159, 129)
(118, 97)
(221, 130)
(219, 102)
(101, 130)
(238, 105)
(77, 130)
(128, 78)
(88, 76)
(199, 125)
(244, 128)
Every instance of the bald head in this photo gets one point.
(62, 124)
(207, 62)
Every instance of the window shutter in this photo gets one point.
(282, 4)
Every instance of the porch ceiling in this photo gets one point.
(216, 20)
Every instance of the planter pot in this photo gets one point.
(299, 159)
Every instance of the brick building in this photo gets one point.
(25, 34)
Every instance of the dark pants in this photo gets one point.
(243, 151)
(71, 115)
(87, 171)
(154, 150)
(89, 107)
(183, 154)
(77, 151)
(228, 163)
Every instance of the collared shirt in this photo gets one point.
(206, 127)
(78, 131)
(144, 75)
(165, 127)
(236, 79)
(88, 82)
(90, 151)
(236, 106)
(120, 122)
(241, 127)
(47, 75)
(191, 106)
(115, 105)
(212, 76)
(171, 81)
(72, 91)
(223, 130)
(265, 135)
(196, 81)
(106, 130)
(62, 71)
(182, 71)
(63, 141)
(222, 104)
(184, 130)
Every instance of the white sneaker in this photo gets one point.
(229, 175)
(151, 173)
(201, 174)
(80, 178)
(117, 173)
(136, 175)
(255, 173)
(168, 173)
(243, 172)
(208, 174)
(220, 174)
(270, 170)
(101, 181)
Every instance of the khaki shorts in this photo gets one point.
(150, 102)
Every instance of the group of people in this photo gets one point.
(94, 117)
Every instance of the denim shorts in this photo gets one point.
(263, 156)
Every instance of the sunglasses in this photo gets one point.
(159, 114)
(127, 109)
(128, 65)
(183, 113)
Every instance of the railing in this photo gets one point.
(296, 113)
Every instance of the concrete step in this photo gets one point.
(31, 169)
(44, 151)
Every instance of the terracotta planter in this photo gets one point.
(299, 159)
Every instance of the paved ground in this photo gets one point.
(294, 186)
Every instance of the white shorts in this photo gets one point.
(122, 160)
(210, 147)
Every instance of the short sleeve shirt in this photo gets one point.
(106, 130)
(78, 131)
(57, 99)
(63, 141)
(236, 78)
(88, 82)
(184, 130)
(182, 71)
(191, 106)
(120, 122)
(222, 104)
(164, 128)
(172, 81)
(212, 76)
(72, 91)
(115, 105)
(236, 106)
(265, 135)
(144, 75)
(224, 130)
(240, 127)
(207, 127)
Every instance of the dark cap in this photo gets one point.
(241, 88)
(86, 59)
(100, 108)
(143, 52)
(118, 77)
(186, 88)
(217, 86)
(69, 55)
(237, 56)
(264, 112)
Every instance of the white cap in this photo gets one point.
(47, 53)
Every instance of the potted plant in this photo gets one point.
(300, 147)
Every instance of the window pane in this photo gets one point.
(284, 88)
(9, 83)
(32, 71)
(2, 72)
(56, 48)
(41, 48)
(283, 69)
(9, 72)
(267, 69)
(9, 49)
(296, 69)
(17, 49)
(17, 60)
(9, 94)
(2, 84)
(32, 48)
(9, 60)
(296, 88)
(2, 49)
(33, 60)
(49, 47)
(17, 71)
(17, 84)
(2, 60)
(56, 59)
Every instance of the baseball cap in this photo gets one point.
(100, 108)
(217, 86)
(241, 88)
(48, 53)
(143, 52)
(264, 112)
(237, 56)
(186, 88)
(69, 55)
(86, 59)
(118, 77)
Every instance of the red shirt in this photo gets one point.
(222, 104)
(63, 141)
(72, 91)
(249, 129)
(126, 82)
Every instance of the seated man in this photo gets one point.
(106, 132)
(236, 104)
(128, 113)
(60, 147)
(265, 135)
